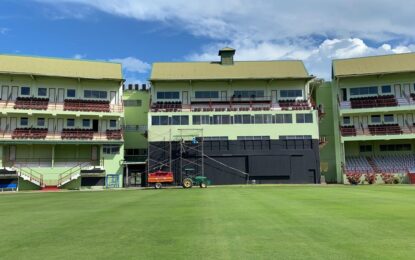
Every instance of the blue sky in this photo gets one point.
(138, 33)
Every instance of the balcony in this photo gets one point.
(72, 105)
(42, 134)
(372, 104)
(377, 132)
(231, 104)
(49, 162)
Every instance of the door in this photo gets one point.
(344, 94)
(365, 121)
(185, 98)
(13, 123)
(400, 120)
(95, 125)
(113, 97)
(274, 96)
(356, 122)
(104, 126)
(52, 95)
(398, 92)
(3, 123)
(94, 153)
(406, 90)
(60, 125)
(409, 119)
(4, 92)
(15, 92)
(223, 95)
(61, 95)
(12, 153)
(51, 125)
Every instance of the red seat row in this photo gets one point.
(172, 106)
(377, 101)
(76, 133)
(348, 130)
(86, 105)
(385, 129)
(114, 134)
(294, 104)
(31, 103)
(30, 133)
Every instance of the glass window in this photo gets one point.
(96, 94)
(291, 93)
(248, 93)
(365, 148)
(70, 93)
(258, 119)
(386, 89)
(70, 122)
(346, 120)
(207, 94)
(164, 120)
(24, 121)
(375, 119)
(42, 92)
(388, 118)
(304, 118)
(180, 120)
(159, 120)
(363, 91)
(200, 120)
(113, 123)
(25, 91)
(40, 122)
(242, 119)
(86, 122)
(111, 149)
(251, 138)
(168, 95)
(132, 103)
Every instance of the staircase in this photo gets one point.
(402, 101)
(28, 175)
(373, 165)
(71, 174)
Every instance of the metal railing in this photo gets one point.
(69, 174)
(74, 135)
(57, 106)
(28, 174)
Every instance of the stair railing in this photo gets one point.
(68, 174)
(29, 175)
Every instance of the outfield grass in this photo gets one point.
(255, 222)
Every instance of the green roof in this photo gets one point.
(288, 69)
(54, 67)
(386, 64)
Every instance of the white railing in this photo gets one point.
(74, 135)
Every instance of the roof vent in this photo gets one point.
(226, 56)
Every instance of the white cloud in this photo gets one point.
(79, 56)
(317, 58)
(265, 20)
(131, 64)
(4, 30)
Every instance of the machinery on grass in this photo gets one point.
(158, 178)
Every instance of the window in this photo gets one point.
(168, 95)
(42, 92)
(97, 94)
(132, 103)
(180, 120)
(86, 122)
(70, 122)
(295, 137)
(394, 147)
(201, 120)
(70, 93)
(386, 89)
(221, 120)
(304, 118)
(375, 119)
(111, 149)
(215, 138)
(24, 121)
(40, 122)
(388, 118)
(262, 119)
(207, 94)
(25, 91)
(159, 120)
(251, 138)
(346, 120)
(365, 148)
(291, 93)
(248, 93)
(283, 119)
(242, 119)
(113, 123)
(363, 91)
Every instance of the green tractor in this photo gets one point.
(191, 179)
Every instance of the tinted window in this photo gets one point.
(25, 91)
(42, 92)
(70, 93)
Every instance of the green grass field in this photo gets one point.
(252, 222)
